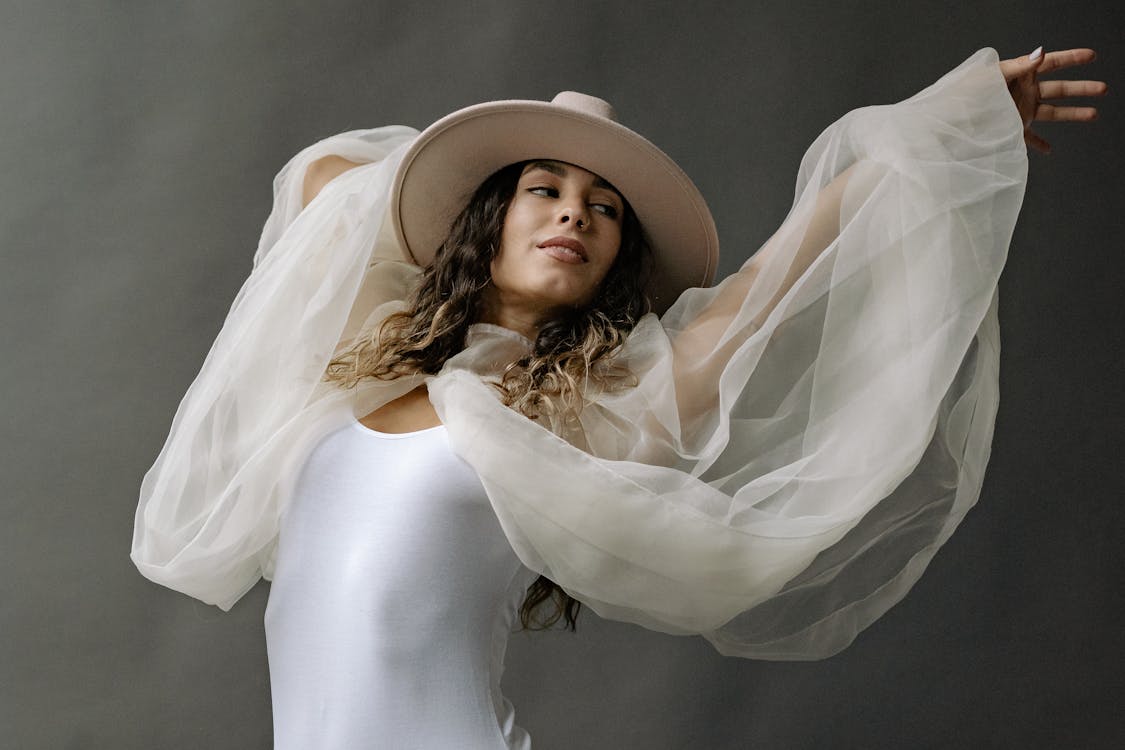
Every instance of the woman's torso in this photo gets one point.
(393, 597)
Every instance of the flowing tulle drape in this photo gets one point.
(208, 517)
(801, 440)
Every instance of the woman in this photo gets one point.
(770, 463)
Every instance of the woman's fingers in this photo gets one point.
(1066, 58)
(1032, 139)
(1064, 89)
(1031, 94)
(1048, 63)
(1051, 113)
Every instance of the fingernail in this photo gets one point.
(1035, 55)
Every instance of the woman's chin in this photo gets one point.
(557, 291)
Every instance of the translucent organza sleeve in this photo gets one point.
(806, 434)
(207, 520)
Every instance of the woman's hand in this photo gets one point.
(1030, 94)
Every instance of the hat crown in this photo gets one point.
(590, 105)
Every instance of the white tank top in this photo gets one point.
(392, 600)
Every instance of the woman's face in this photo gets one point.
(561, 235)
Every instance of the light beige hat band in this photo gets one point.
(452, 157)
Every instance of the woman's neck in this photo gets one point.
(523, 319)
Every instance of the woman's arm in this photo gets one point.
(209, 508)
(703, 347)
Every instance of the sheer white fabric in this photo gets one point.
(803, 437)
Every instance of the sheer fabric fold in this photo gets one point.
(801, 440)
(207, 521)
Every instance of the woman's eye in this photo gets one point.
(546, 191)
(605, 208)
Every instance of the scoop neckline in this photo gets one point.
(393, 435)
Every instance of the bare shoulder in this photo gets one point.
(321, 172)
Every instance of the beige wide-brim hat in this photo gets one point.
(452, 157)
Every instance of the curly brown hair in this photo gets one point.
(569, 353)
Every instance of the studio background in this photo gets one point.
(138, 142)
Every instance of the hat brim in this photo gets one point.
(452, 157)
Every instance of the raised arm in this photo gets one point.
(209, 508)
(887, 146)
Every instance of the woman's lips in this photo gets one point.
(566, 249)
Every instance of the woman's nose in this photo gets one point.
(578, 216)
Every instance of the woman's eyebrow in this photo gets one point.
(547, 166)
(559, 170)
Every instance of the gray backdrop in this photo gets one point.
(137, 143)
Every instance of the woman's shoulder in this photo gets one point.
(322, 171)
